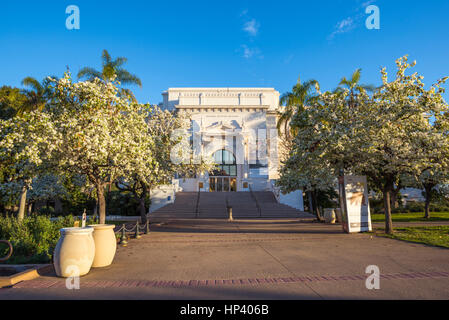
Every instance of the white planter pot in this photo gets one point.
(330, 216)
(105, 245)
(74, 252)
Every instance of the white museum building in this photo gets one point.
(237, 128)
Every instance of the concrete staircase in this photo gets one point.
(272, 209)
(183, 207)
(212, 205)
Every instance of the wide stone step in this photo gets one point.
(213, 205)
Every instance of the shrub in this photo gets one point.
(34, 238)
(376, 205)
(121, 203)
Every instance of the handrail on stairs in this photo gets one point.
(255, 200)
(197, 204)
(275, 190)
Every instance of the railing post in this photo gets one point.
(147, 227)
(137, 235)
(197, 204)
(123, 241)
(230, 214)
(255, 200)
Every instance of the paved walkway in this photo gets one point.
(257, 259)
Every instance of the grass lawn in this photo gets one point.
(432, 236)
(412, 217)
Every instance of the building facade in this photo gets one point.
(237, 128)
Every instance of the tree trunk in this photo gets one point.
(388, 219)
(108, 195)
(23, 202)
(58, 206)
(309, 197)
(101, 203)
(315, 205)
(428, 190)
(142, 208)
(342, 201)
(143, 211)
(394, 198)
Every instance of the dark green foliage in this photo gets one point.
(77, 199)
(33, 239)
(11, 100)
(122, 203)
(327, 198)
(376, 206)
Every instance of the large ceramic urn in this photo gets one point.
(330, 216)
(105, 244)
(75, 252)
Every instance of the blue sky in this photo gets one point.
(224, 44)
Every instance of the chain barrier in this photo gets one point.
(136, 229)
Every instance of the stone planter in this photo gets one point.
(330, 216)
(105, 244)
(74, 252)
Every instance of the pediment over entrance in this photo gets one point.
(224, 125)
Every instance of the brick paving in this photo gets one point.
(40, 284)
(264, 259)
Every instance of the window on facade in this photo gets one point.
(258, 169)
(226, 163)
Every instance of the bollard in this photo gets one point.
(230, 214)
(137, 236)
(147, 227)
(123, 241)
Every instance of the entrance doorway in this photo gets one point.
(223, 184)
(224, 178)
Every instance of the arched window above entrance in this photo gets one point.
(226, 163)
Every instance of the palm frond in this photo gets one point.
(89, 73)
(356, 76)
(106, 57)
(120, 61)
(127, 78)
(33, 83)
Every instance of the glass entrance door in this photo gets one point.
(224, 177)
(223, 184)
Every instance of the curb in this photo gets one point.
(26, 275)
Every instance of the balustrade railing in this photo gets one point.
(259, 209)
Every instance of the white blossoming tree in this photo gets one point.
(100, 134)
(382, 136)
(24, 151)
(47, 186)
(398, 131)
(162, 126)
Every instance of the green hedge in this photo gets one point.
(33, 239)
(377, 206)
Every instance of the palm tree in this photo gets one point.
(296, 102)
(353, 86)
(38, 94)
(112, 70)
